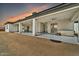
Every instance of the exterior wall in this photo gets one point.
(20, 27)
(38, 27)
(61, 25)
(65, 27)
(49, 27)
(16, 28)
(30, 27)
(9, 28)
(65, 24)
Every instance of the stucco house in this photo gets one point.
(59, 23)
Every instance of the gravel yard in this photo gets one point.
(13, 44)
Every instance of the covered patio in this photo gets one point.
(57, 26)
(66, 39)
(61, 26)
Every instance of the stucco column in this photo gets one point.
(20, 27)
(49, 27)
(34, 27)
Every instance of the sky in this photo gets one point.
(15, 11)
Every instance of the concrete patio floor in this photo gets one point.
(22, 45)
(63, 38)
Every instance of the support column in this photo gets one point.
(34, 27)
(20, 28)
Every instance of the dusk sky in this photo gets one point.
(12, 12)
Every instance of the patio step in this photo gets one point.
(67, 39)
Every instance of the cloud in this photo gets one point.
(27, 13)
(31, 9)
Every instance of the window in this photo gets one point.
(75, 21)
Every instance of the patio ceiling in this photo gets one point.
(59, 16)
(27, 22)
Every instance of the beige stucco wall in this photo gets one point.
(9, 28)
(38, 27)
(61, 24)
(16, 27)
(30, 27)
(65, 24)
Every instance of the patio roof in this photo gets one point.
(8, 23)
(59, 7)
